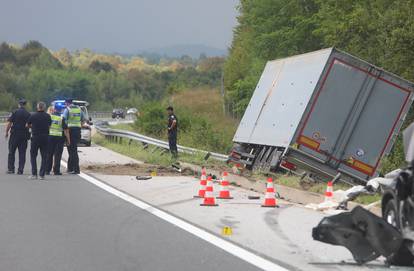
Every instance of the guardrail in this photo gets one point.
(4, 117)
(114, 134)
(100, 115)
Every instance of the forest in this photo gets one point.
(379, 31)
(36, 73)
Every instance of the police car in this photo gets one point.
(86, 137)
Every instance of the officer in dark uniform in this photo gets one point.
(19, 134)
(75, 119)
(39, 122)
(172, 131)
(57, 133)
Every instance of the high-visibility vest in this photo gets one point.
(56, 128)
(74, 117)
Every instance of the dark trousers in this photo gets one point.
(17, 141)
(172, 142)
(73, 161)
(54, 153)
(39, 142)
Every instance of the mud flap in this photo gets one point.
(364, 234)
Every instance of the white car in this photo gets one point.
(132, 111)
(86, 137)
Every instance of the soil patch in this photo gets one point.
(137, 170)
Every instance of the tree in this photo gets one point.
(98, 66)
(6, 54)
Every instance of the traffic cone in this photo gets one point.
(270, 196)
(209, 196)
(203, 183)
(329, 191)
(224, 188)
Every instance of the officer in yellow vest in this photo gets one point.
(75, 119)
(58, 131)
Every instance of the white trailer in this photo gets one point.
(320, 114)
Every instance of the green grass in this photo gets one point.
(123, 126)
(153, 155)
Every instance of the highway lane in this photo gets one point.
(67, 223)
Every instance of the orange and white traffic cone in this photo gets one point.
(203, 183)
(270, 196)
(329, 192)
(209, 196)
(224, 188)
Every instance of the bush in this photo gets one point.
(152, 120)
(193, 130)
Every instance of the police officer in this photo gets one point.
(57, 133)
(172, 131)
(75, 119)
(19, 134)
(39, 122)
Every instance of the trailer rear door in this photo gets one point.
(353, 117)
(280, 99)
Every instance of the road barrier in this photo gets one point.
(118, 135)
(100, 115)
(4, 116)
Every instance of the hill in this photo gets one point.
(194, 51)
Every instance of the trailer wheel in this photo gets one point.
(258, 161)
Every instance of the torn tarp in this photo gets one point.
(364, 234)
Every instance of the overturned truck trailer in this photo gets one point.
(320, 114)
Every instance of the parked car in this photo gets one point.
(132, 111)
(118, 113)
(86, 133)
(86, 138)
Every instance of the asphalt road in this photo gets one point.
(66, 223)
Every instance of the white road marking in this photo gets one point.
(206, 236)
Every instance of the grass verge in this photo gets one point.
(157, 156)
(153, 155)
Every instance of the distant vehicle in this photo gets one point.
(132, 111)
(118, 113)
(86, 133)
(320, 114)
(86, 138)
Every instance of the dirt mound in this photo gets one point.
(136, 170)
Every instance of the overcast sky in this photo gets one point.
(124, 26)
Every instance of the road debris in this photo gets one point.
(136, 170)
(143, 178)
(364, 234)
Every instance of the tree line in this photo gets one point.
(106, 81)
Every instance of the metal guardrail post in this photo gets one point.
(114, 134)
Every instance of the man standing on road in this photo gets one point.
(39, 122)
(57, 133)
(75, 119)
(172, 132)
(19, 134)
